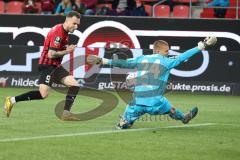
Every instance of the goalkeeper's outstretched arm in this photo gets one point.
(209, 41)
(128, 63)
(132, 62)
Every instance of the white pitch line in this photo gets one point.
(102, 132)
(229, 124)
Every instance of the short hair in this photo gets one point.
(73, 14)
(157, 44)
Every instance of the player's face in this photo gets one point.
(73, 24)
(164, 50)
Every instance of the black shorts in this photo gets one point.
(50, 74)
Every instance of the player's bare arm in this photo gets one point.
(56, 54)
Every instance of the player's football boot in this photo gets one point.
(68, 116)
(189, 116)
(8, 105)
(123, 124)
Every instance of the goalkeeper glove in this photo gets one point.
(208, 41)
(93, 59)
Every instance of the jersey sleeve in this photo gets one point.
(55, 40)
(171, 63)
(128, 63)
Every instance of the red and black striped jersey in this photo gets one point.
(57, 39)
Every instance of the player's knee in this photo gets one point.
(70, 81)
(74, 84)
(172, 110)
(43, 93)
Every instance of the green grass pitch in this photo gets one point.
(33, 132)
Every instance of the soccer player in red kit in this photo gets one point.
(50, 69)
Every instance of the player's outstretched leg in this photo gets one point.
(179, 115)
(10, 101)
(71, 95)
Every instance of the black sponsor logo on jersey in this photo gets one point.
(57, 40)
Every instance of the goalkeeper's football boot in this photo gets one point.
(8, 105)
(123, 124)
(68, 116)
(189, 116)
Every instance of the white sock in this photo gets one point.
(13, 100)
